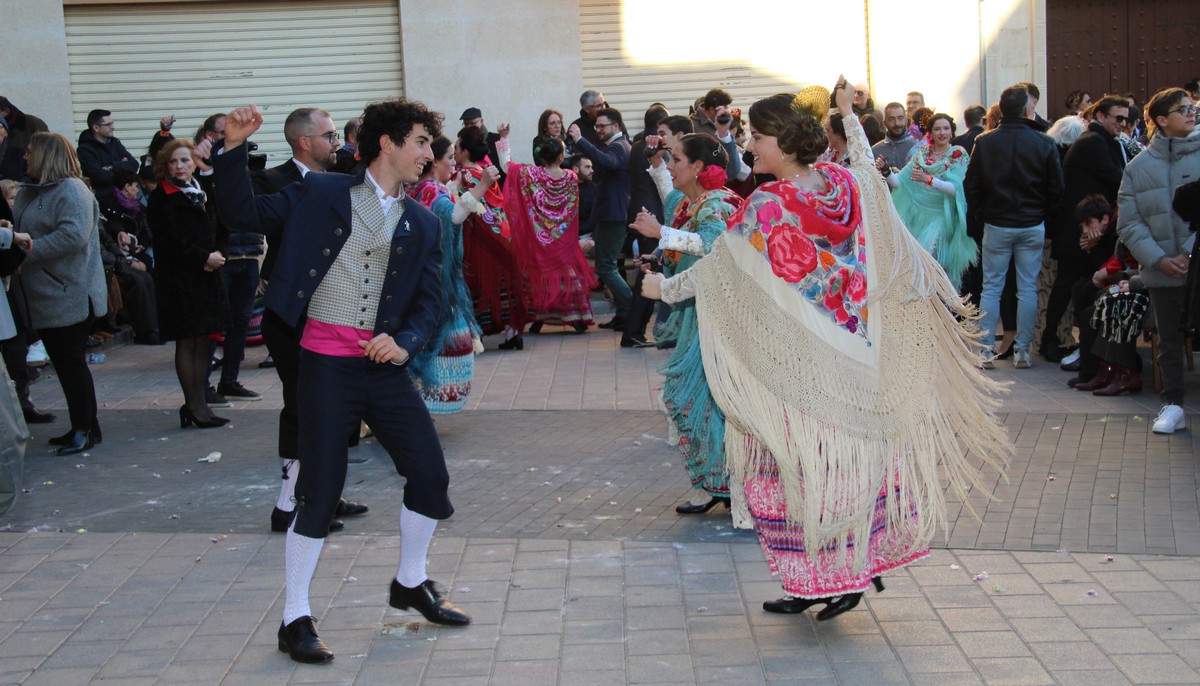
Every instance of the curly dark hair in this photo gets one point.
(394, 119)
(799, 132)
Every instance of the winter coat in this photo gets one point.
(94, 156)
(1014, 179)
(1145, 221)
(1093, 165)
(62, 275)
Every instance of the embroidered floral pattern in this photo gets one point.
(814, 242)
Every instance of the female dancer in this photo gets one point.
(542, 206)
(444, 367)
(699, 207)
(489, 266)
(63, 277)
(839, 421)
(929, 197)
(192, 305)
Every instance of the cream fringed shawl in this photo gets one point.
(845, 420)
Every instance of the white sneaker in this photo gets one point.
(1169, 420)
(37, 356)
(1021, 359)
(1071, 359)
(986, 359)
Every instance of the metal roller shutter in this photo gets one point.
(631, 85)
(143, 62)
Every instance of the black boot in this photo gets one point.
(32, 414)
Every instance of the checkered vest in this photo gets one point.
(349, 293)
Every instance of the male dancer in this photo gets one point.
(363, 279)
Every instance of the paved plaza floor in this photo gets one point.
(144, 561)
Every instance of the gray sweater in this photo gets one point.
(63, 274)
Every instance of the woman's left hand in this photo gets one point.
(843, 96)
(652, 286)
(919, 175)
(647, 225)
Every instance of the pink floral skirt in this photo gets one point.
(823, 576)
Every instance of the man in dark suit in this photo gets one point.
(1093, 165)
(360, 273)
(642, 194)
(973, 116)
(472, 116)
(347, 163)
(611, 159)
(313, 138)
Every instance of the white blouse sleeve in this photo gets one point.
(681, 241)
(678, 288)
(662, 180)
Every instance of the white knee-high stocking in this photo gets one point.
(300, 562)
(287, 487)
(416, 533)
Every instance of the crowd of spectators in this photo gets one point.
(1048, 226)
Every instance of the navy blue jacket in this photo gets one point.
(315, 215)
(613, 188)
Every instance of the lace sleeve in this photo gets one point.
(662, 180)
(682, 241)
(678, 288)
(857, 144)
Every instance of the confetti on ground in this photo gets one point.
(465, 589)
(174, 516)
(702, 608)
(187, 471)
(350, 579)
(558, 499)
(211, 457)
(1050, 478)
(81, 531)
(47, 483)
(533, 469)
(981, 576)
(1092, 593)
(1112, 495)
(1108, 558)
(78, 466)
(215, 539)
(401, 628)
(156, 475)
(637, 510)
(612, 502)
(955, 567)
(997, 588)
(637, 442)
(1062, 551)
(545, 483)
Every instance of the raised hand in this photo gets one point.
(843, 94)
(504, 129)
(203, 150)
(490, 176)
(575, 133)
(647, 225)
(240, 124)
(166, 122)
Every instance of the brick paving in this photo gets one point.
(566, 550)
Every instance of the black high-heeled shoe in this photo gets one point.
(579, 327)
(186, 419)
(846, 603)
(514, 343)
(791, 606)
(688, 508)
(80, 441)
(535, 327)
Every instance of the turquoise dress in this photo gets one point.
(690, 408)
(938, 221)
(444, 367)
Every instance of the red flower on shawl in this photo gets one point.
(793, 255)
(956, 154)
(767, 215)
(835, 298)
(856, 287)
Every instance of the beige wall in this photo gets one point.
(512, 61)
(34, 75)
(987, 46)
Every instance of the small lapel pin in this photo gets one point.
(406, 226)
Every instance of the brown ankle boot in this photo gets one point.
(1124, 381)
(1102, 378)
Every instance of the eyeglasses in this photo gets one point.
(331, 137)
(860, 92)
(106, 124)
(1185, 110)
(1121, 119)
(600, 127)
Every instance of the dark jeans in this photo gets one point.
(65, 346)
(241, 282)
(335, 394)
